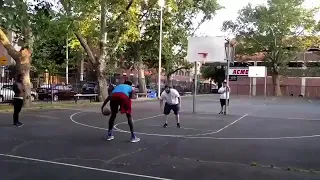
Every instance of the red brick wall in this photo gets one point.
(288, 86)
(312, 87)
(241, 86)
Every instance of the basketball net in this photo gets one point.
(203, 57)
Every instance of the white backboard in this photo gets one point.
(213, 46)
(257, 71)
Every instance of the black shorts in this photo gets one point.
(168, 107)
(223, 102)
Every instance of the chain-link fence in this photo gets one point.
(6, 86)
(57, 87)
(286, 90)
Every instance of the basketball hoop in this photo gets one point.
(203, 57)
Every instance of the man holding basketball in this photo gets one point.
(121, 96)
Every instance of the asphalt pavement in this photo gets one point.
(273, 138)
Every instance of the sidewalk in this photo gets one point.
(70, 104)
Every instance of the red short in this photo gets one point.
(122, 100)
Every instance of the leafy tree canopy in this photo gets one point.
(276, 29)
(178, 23)
(215, 73)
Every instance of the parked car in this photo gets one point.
(89, 88)
(180, 89)
(7, 93)
(56, 92)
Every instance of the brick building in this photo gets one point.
(302, 76)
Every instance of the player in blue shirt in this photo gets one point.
(121, 96)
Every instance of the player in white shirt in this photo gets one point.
(173, 102)
(224, 92)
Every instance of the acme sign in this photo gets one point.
(239, 72)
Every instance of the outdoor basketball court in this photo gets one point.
(71, 144)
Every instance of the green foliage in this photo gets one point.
(13, 13)
(275, 29)
(84, 16)
(49, 40)
(22, 17)
(214, 73)
(178, 23)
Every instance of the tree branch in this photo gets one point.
(147, 10)
(103, 33)
(125, 11)
(266, 54)
(194, 31)
(86, 47)
(16, 55)
(178, 69)
(120, 32)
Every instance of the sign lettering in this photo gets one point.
(239, 72)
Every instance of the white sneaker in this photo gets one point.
(134, 139)
(110, 138)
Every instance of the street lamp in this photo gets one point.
(67, 56)
(161, 4)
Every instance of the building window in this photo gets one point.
(295, 64)
(261, 63)
(313, 64)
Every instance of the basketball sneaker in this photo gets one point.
(110, 136)
(134, 139)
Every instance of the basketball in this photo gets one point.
(106, 111)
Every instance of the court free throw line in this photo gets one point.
(225, 127)
(95, 127)
(82, 167)
(199, 137)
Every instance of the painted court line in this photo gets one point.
(81, 124)
(95, 127)
(284, 118)
(82, 167)
(179, 128)
(215, 132)
(200, 137)
(151, 134)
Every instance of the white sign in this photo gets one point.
(257, 71)
(239, 71)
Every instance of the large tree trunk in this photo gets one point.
(24, 68)
(101, 64)
(276, 84)
(136, 78)
(169, 80)
(141, 76)
(23, 64)
(142, 79)
(102, 82)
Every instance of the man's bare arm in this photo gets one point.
(106, 101)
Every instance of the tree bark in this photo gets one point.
(102, 83)
(86, 47)
(169, 80)
(23, 64)
(136, 77)
(101, 64)
(24, 68)
(276, 84)
(141, 76)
